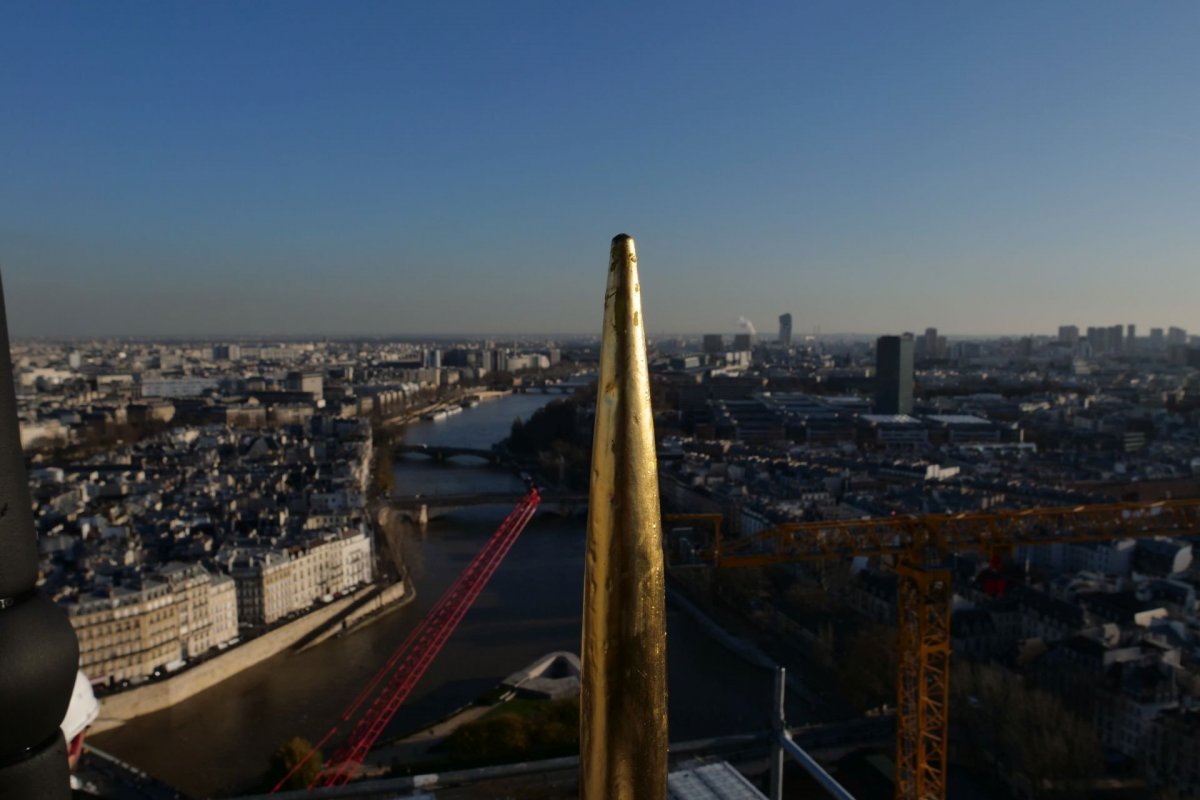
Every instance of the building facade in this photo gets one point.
(126, 634)
(180, 612)
(273, 583)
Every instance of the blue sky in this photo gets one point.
(353, 167)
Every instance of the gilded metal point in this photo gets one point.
(623, 727)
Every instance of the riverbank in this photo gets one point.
(123, 707)
(422, 746)
(418, 746)
(530, 607)
(414, 414)
(370, 609)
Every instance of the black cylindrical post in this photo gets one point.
(39, 653)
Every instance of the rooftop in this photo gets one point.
(711, 782)
(957, 419)
(890, 419)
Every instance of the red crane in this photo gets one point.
(408, 663)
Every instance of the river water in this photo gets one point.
(219, 742)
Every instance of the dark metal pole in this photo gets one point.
(810, 765)
(778, 731)
(39, 653)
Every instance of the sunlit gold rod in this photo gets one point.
(623, 726)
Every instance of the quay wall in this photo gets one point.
(386, 600)
(117, 709)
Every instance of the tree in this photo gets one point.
(867, 669)
(501, 379)
(557, 435)
(383, 479)
(1019, 732)
(741, 588)
(806, 602)
(293, 752)
(490, 738)
(545, 728)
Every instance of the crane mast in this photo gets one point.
(916, 547)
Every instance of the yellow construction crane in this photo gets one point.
(917, 547)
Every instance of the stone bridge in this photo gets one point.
(422, 508)
(549, 388)
(442, 453)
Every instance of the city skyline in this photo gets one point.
(188, 497)
(394, 171)
(768, 336)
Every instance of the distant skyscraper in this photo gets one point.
(785, 330)
(894, 374)
(1130, 337)
(1176, 336)
(741, 341)
(1157, 340)
(714, 343)
(1068, 334)
(931, 343)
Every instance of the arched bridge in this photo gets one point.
(422, 508)
(444, 453)
(548, 388)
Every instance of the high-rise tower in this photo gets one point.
(894, 374)
(931, 343)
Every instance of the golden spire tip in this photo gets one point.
(623, 703)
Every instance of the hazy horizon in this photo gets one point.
(501, 338)
(251, 169)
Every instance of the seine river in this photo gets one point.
(218, 743)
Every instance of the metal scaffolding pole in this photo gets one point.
(778, 731)
(782, 745)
